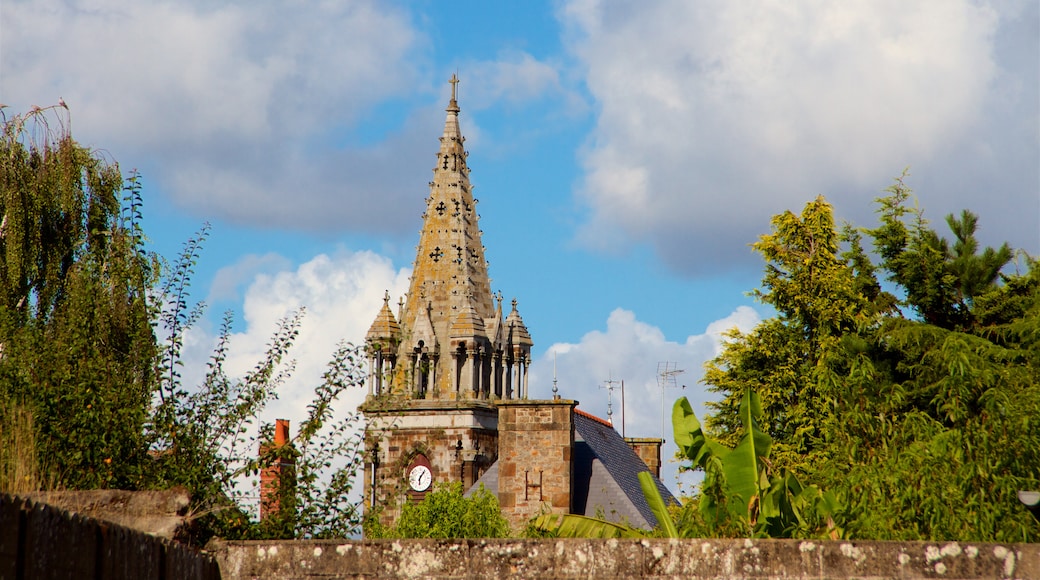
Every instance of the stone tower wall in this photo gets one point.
(535, 444)
(435, 429)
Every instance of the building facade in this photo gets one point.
(448, 373)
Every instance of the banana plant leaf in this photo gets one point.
(740, 469)
(575, 526)
(690, 438)
(657, 505)
(743, 467)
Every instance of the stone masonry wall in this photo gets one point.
(634, 558)
(38, 540)
(160, 513)
(394, 436)
(535, 442)
(447, 464)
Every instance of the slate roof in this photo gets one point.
(606, 472)
(489, 480)
(606, 482)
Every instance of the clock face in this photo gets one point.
(420, 478)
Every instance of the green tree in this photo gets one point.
(940, 281)
(90, 398)
(75, 328)
(207, 437)
(819, 300)
(445, 512)
(923, 423)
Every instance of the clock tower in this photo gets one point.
(437, 367)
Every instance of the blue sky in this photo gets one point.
(624, 154)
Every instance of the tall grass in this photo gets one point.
(19, 466)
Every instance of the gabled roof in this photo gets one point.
(606, 475)
(606, 472)
(489, 480)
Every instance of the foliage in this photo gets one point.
(205, 437)
(917, 407)
(742, 495)
(90, 397)
(76, 341)
(577, 526)
(330, 454)
(445, 512)
(19, 464)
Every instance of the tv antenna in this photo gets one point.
(666, 373)
(610, 385)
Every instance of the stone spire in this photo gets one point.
(450, 275)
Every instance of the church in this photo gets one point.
(448, 386)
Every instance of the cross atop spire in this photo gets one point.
(453, 105)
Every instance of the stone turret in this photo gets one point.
(381, 346)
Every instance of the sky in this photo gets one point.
(624, 154)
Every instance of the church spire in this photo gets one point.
(453, 342)
(450, 273)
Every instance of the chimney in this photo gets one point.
(278, 473)
(649, 450)
(535, 467)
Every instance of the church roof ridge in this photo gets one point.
(588, 415)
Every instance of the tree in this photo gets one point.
(940, 282)
(206, 437)
(90, 398)
(919, 412)
(446, 512)
(819, 300)
(75, 331)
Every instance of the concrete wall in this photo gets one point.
(40, 541)
(649, 558)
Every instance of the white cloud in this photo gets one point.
(634, 352)
(716, 115)
(513, 78)
(341, 292)
(224, 103)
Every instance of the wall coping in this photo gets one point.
(623, 558)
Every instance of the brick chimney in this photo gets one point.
(272, 476)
